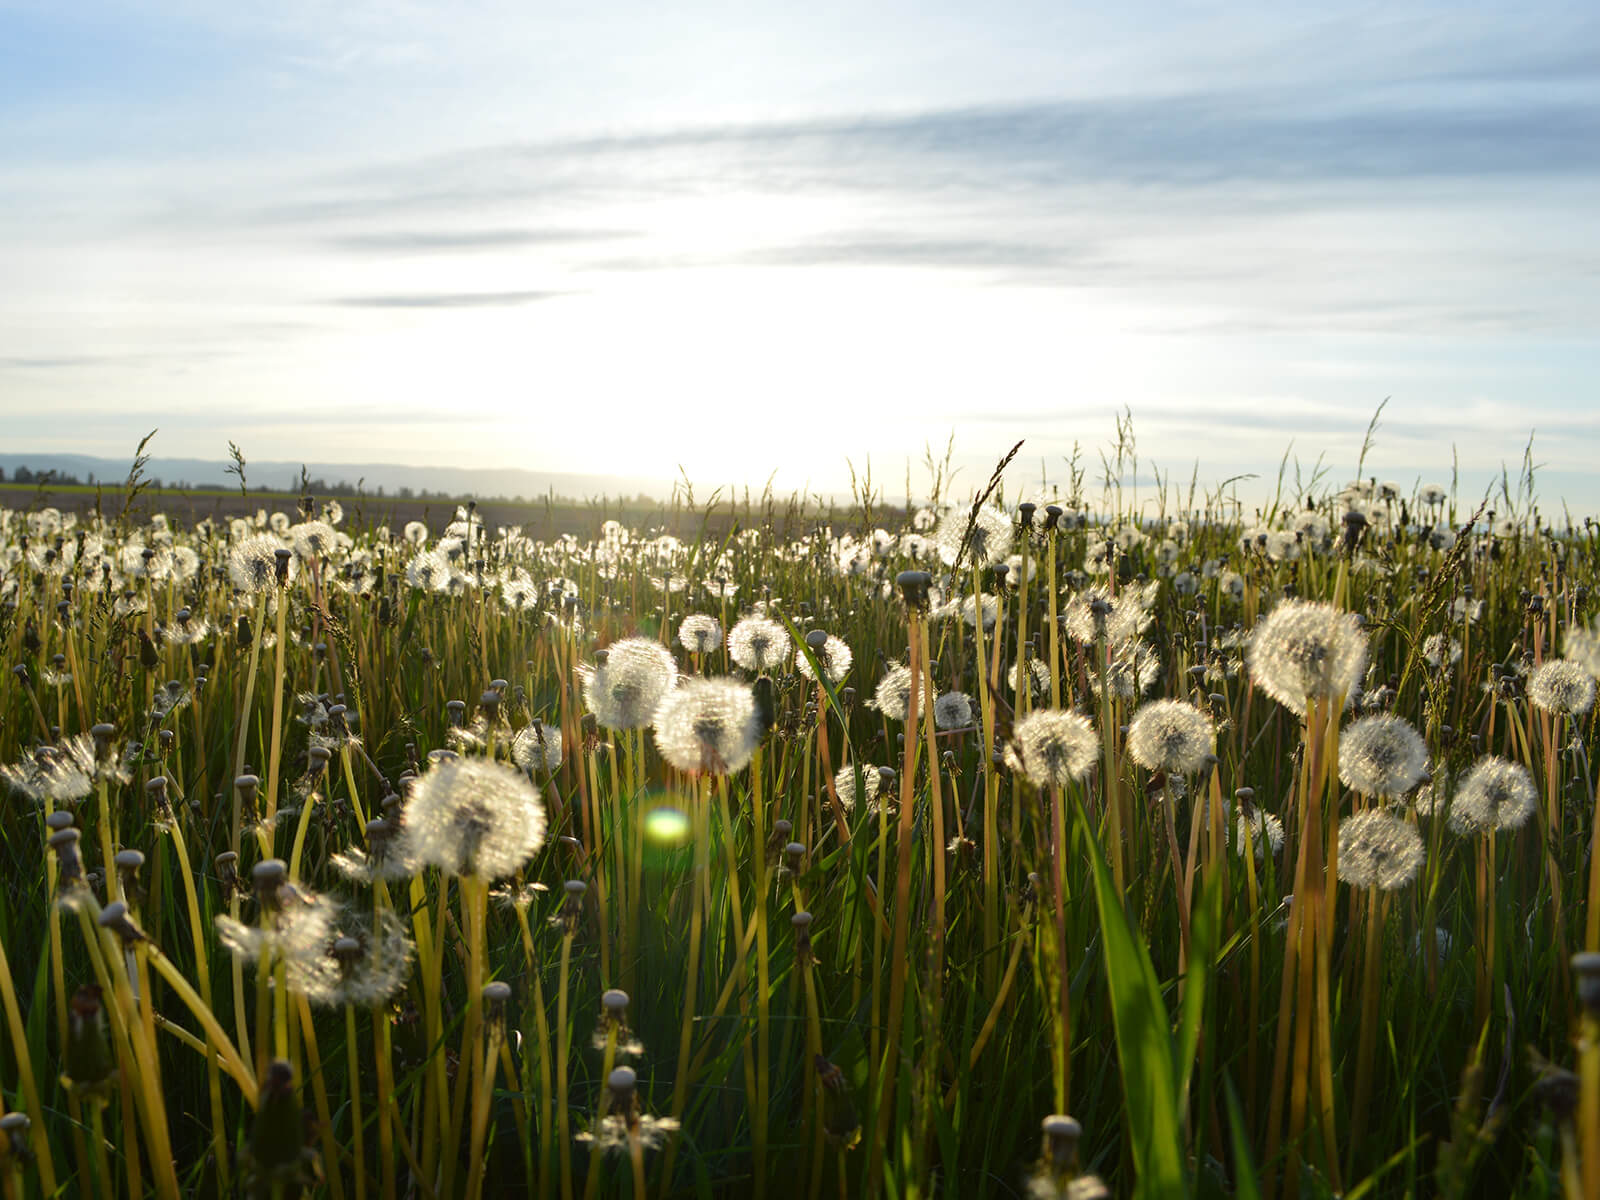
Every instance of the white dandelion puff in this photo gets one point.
(708, 725)
(1304, 651)
(1052, 748)
(1382, 756)
(1495, 794)
(470, 816)
(1378, 849)
(1171, 736)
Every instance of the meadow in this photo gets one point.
(1010, 843)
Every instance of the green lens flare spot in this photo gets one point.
(666, 826)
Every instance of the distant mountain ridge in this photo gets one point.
(278, 476)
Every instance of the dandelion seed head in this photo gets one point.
(1582, 646)
(537, 747)
(1382, 756)
(313, 539)
(988, 542)
(892, 696)
(625, 690)
(470, 816)
(1378, 849)
(700, 634)
(1495, 794)
(1171, 736)
(1305, 650)
(1561, 686)
(835, 657)
(1261, 829)
(758, 643)
(708, 725)
(253, 564)
(953, 710)
(1052, 748)
(872, 785)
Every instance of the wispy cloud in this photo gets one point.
(449, 300)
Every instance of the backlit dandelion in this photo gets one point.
(1378, 849)
(537, 747)
(835, 657)
(952, 710)
(625, 690)
(892, 696)
(1052, 748)
(758, 643)
(1171, 736)
(708, 725)
(1561, 686)
(470, 816)
(987, 542)
(1582, 646)
(253, 563)
(1304, 651)
(1382, 756)
(1495, 794)
(700, 634)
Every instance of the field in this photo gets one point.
(1015, 845)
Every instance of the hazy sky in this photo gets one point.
(755, 237)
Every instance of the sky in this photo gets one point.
(755, 241)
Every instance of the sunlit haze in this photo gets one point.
(738, 240)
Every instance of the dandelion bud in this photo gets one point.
(281, 557)
(816, 639)
(801, 921)
(1587, 969)
(489, 704)
(278, 1138)
(102, 734)
(1558, 1090)
(794, 857)
(226, 865)
(246, 786)
(913, 587)
(14, 1128)
(58, 820)
(614, 1006)
(1025, 511)
(128, 863)
(89, 1065)
(457, 712)
(622, 1081)
(1061, 1136)
(572, 906)
(496, 996)
(69, 862)
(268, 878)
(1052, 516)
(114, 917)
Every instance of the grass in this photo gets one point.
(973, 953)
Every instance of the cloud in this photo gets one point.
(452, 241)
(449, 299)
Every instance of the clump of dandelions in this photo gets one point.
(1305, 651)
(470, 816)
(700, 634)
(1052, 748)
(1495, 794)
(758, 643)
(1561, 686)
(988, 542)
(537, 747)
(1382, 756)
(1378, 849)
(835, 657)
(624, 690)
(708, 725)
(1171, 736)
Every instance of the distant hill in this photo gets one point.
(485, 483)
